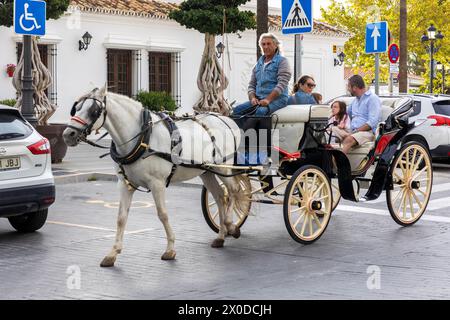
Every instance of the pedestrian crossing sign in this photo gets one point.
(296, 16)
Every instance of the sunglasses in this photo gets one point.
(311, 85)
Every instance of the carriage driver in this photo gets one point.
(268, 87)
(364, 112)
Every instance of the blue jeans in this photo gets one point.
(260, 111)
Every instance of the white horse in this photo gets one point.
(122, 118)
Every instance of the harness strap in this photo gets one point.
(141, 145)
(129, 184)
(175, 144)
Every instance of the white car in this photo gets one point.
(27, 186)
(432, 111)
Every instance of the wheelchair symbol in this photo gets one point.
(28, 17)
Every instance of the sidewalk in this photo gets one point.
(82, 163)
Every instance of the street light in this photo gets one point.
(440, 66)
(432, 49)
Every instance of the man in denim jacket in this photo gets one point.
(268, 87)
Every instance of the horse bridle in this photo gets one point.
(96, 111)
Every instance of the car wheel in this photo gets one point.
(29, 222)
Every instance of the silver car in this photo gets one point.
(27, 186)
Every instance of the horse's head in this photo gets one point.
(88, 113)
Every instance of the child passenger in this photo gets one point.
(340, 116)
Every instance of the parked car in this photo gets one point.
(27, 186)
(431, 110)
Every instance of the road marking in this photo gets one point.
(379, 212)
(439, 203)
(434, 189)
(98, 228)
(80, 226)
(115, 205)
(131, 232)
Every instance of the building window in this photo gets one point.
(120, 71)
(160, 71)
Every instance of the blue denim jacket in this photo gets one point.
(301, 97)
(267, 78)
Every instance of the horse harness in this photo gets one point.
(143, 150)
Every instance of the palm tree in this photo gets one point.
(262, 22)
(403, 75)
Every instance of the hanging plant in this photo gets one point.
(10, 68)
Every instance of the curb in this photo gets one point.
(96, 176)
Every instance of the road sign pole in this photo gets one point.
(27, 83)
(391, 83)
(298, 56)
(377, 73)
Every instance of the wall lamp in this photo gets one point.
(340, 59)
(220, 49)
(84, 44)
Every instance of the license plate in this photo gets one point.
(9, 163)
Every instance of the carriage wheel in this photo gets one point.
(336, 193)
(412, 178)
(307, 204)
(211, 211)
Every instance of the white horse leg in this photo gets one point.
(234, 196)
(213, 186)
(125, 202)
(158, 190)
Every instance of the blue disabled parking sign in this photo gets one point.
(296, 16)
(377, 37)
(29, 17)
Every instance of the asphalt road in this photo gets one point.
(363, 254)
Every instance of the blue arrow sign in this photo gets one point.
(377, 37)
(30, 17)
(296, 16)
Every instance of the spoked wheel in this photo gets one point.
(308, 203)
(336, 193)
(211, 210)
(412, 179)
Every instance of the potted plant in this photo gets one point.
(10, 68)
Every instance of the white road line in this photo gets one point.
(439, 203)
(436, 188)
(80, 226)
(131, 232)
(379, 212)
(98, 228)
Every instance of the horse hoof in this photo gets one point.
(169, 255)
(217, 243)
(108, 262)
(237, 233)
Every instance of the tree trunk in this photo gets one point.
(42, 79)
(262, 22)
(211, 81)
(403, 74)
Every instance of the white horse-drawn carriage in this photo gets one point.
(301, 170)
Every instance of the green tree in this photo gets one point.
(41, 76)
(213, 17)
(353, 15)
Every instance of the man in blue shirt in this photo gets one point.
(364, 112)
(268, 87)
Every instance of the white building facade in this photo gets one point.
(137, 48)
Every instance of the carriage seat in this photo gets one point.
(358, 153)
(290, 122)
